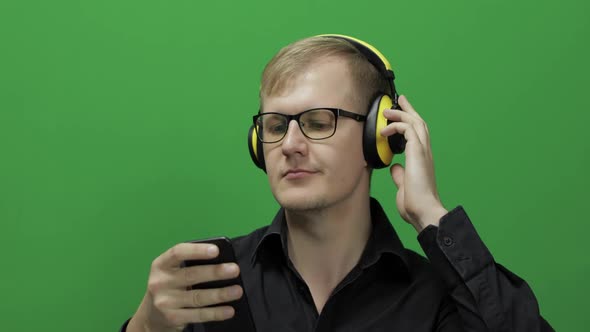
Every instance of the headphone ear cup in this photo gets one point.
(255, 148)
(376, 148)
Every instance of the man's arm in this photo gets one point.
(488, 297)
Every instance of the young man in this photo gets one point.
(330, 260)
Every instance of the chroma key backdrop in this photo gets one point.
(123, 132)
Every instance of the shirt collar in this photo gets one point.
(274, 239)
(382, 240)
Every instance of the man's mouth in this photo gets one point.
(297, 173)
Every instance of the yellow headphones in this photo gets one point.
(378, 150)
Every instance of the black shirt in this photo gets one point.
(459, 288)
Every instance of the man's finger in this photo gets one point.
(413, 119)
(180, 317)
(212, 314)
(397, 174)
(403, 128)
(198, 274)
(198, 298)
(174, 256)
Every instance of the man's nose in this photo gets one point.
(294, 140)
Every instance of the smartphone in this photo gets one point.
(242, 320)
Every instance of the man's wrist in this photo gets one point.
(135, 326)
(139, 322)
(432, 218)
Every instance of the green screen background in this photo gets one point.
(123, 131)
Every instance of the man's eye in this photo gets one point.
(278, 128)
(319, 125)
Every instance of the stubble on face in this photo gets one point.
(308, 204)
(313, 203)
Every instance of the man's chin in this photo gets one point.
(300, 200)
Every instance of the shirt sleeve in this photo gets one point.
(488, 297)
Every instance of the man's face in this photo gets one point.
(309, 174)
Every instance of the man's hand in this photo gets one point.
(417, 198)
(170, 304)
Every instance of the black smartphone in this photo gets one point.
(242, 320)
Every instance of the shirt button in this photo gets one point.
(448, 241)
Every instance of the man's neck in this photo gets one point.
(325, 245)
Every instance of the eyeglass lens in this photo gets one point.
(315, 124)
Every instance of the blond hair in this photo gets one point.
(294, 59)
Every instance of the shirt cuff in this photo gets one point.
(454, 248)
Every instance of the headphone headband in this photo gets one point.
(374, 56)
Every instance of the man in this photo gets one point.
(330, 260)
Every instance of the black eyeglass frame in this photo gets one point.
(338, 112)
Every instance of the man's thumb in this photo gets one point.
(397, 174)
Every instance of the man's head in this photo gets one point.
(292, 60)
(317, 72)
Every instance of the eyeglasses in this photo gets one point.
(315, 123)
